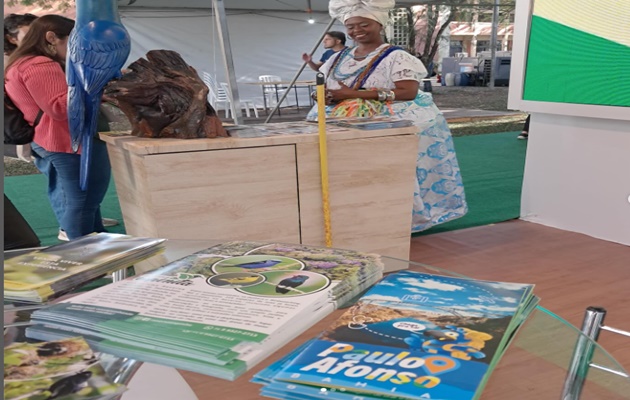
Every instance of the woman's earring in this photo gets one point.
(52, 50)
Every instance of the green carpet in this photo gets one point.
(492, 170)
(28, 194)
(491, 165)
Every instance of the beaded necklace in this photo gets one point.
(361, 74)
(337, 74)
(368, 55)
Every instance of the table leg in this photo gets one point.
(264, 99)
(297, 102)
(310, 98)
(277, 98)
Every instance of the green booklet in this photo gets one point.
(38, 275)
(218, 311)
(66, 369)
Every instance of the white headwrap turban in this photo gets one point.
(378, 10)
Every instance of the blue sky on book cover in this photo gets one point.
(413, 334)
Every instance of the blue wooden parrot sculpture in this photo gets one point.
(97, 50)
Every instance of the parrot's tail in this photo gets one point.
(91, 119)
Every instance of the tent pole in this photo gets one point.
(297, 75)
(493, 42)
(228, 61)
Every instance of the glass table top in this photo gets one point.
(533, 367)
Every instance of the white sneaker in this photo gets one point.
(63, 235)
(110, 222)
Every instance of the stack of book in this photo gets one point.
(65, 369)
(42, 274)
(412, 336)
(276, 129)
(370, 123)
(218, 311)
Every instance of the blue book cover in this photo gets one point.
(413, 336)
(286, 391)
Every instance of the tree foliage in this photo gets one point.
(429, 22)
(60, 5)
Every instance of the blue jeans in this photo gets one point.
(78, 212)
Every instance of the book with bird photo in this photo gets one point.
(218, 311)
(38, 275)
(66, 369)
(413, 335)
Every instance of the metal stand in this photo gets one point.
(119, 275)
(297, 75)
(592, 325)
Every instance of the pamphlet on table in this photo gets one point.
(51, 271)
(370, 123)
(412, 336)
(277, 128)
(65, 369)
(218, 311)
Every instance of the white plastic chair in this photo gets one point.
(272, 92)
(224, 90)
(216, 96)
(219, 95)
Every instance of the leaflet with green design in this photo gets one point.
(218, 311)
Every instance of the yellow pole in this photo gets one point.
(323, 156)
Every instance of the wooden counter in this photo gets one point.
(269, 188)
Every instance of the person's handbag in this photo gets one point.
(16, 129)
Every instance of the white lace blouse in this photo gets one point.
(397, 66)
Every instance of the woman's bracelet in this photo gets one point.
(386, 95)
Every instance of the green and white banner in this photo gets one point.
(579, 52)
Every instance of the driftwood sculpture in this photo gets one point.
(163, 97)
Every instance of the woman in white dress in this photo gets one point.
(375, 78)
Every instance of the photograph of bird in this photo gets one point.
(258, 264)
(98, 47)
(287, 284)
(51, 349)
(69, 385)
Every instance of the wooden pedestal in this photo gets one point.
(269, 188)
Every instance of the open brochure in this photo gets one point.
(66, 370)
(412, 336)
(218, 311)
(41, 274)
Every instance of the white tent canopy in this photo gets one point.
(267, 37)
(278, 5)
(262, 43)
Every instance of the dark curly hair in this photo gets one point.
(12, 24)
(35, 43)
(337, 35)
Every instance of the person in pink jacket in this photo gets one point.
(35, 80)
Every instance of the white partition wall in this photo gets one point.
(577, 175)
(577, 172)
